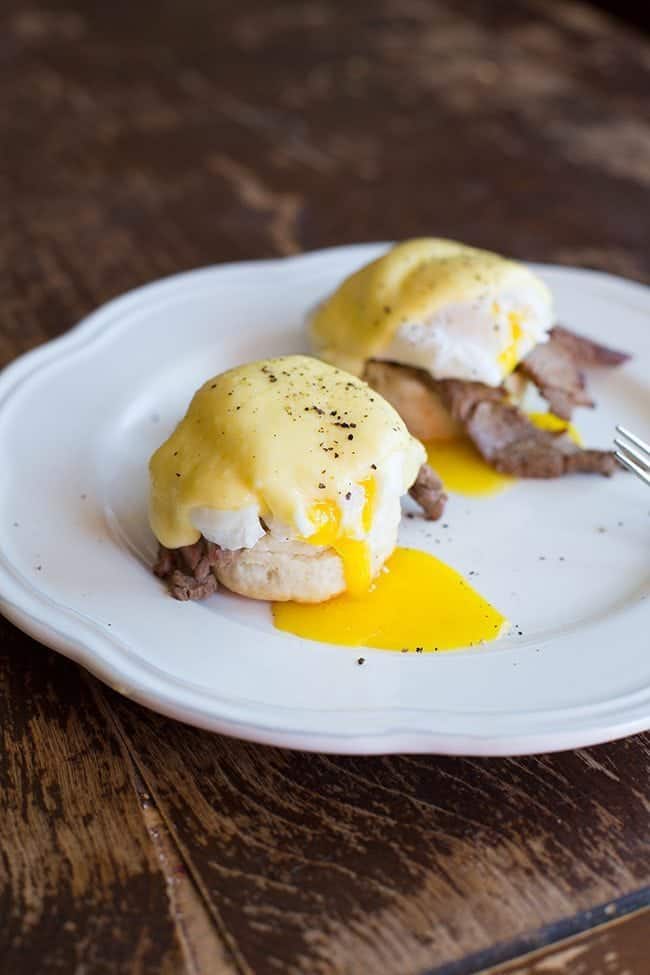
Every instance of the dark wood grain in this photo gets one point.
(137, 140)
(619, 947)
(203, 948)
(396, 865)
(80, 888)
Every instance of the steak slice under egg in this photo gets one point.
(507, 439)
(557, 368)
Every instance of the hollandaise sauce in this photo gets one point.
(416, 603)
(301, 445)
(288, 435)
(441, 286)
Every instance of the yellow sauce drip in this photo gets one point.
(510, 355)
(463, 470)
(416, 602)
(555, 424)
(354, 553)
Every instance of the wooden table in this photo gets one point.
(142, 139)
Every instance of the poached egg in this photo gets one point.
(454, 311)
(290, 447)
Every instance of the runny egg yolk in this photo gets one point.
(510, 355)
(416, 603)
(353, 552)
(463, 470)
(555, 424)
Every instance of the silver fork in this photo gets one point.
(632, 452)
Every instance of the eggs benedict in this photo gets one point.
(461, 341)
(282, 482)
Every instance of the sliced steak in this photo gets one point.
(556, 368)
(513, 445)
(558, 377)
(587, 352)
(187, 571)
(507, 439)
(461, 398)
(427, 491)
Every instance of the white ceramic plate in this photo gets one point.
(567, 561)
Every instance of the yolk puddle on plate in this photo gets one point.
(415, 603)
(463, 470)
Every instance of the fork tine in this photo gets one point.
(633, 438)
(636, 460)
(631, 465)
(643, 459)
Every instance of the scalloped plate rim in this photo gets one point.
(28, 609)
